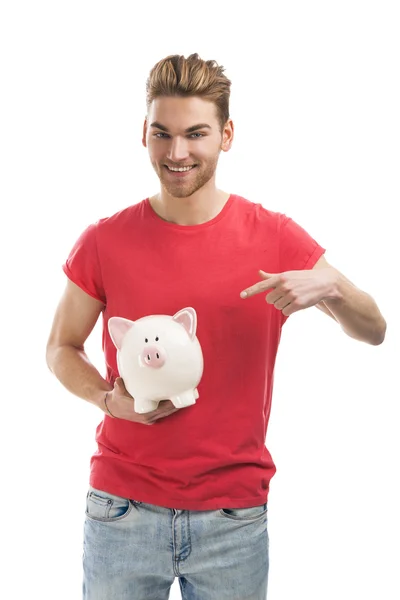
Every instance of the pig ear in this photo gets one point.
(188, 318)
(118, 327)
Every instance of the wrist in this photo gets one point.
(108, 411)
(98, 399)
(333, 293)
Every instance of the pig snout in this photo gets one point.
(153, 356)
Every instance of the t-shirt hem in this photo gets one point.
(168, 502)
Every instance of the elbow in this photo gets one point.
(56, 352)
(380, 336)
(52, 352)
(49, 356)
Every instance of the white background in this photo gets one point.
(315, 101)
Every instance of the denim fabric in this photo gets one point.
(134, 551)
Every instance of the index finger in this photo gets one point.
(257, 288)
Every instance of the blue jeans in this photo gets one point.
(134, 551)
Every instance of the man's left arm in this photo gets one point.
(355, 310)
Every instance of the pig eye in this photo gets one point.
(157, 338)
(146, 340)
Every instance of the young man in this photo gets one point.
(187, 497)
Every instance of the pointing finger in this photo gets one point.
(256, 289)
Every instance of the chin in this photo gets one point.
(180, 193)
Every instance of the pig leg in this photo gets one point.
(185, 398)
(144, 406)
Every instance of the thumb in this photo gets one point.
(265, 275)
(119, 382)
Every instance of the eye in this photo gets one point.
(146, 340)
(163, 136)
(157, 338)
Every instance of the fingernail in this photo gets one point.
(243, 294)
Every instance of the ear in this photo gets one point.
(144, 133)
(118, 327)
(227, 136)
(187, 317)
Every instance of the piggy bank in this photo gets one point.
(159, 358)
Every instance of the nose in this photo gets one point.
(178, 150)
(153, 356)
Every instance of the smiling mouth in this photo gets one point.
(180, 169)
(179, 174)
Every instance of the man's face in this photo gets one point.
(184, 132)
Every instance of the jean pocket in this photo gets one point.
(245, 514)
(101, 506)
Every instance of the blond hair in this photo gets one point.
(176, 75)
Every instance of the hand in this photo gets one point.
(294, 290)
(121, 406)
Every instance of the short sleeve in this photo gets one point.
(83, 267)
(297, 249)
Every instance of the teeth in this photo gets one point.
(181, 168)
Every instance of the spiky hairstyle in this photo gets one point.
(176, 75)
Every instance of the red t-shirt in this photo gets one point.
(212, 454)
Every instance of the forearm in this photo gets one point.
(73, 369)
(356, 311)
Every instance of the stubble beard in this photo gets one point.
(181, 189)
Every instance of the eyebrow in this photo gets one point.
(188, 130)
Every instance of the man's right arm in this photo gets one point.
(75, 318)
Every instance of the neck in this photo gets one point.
(199, 208)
